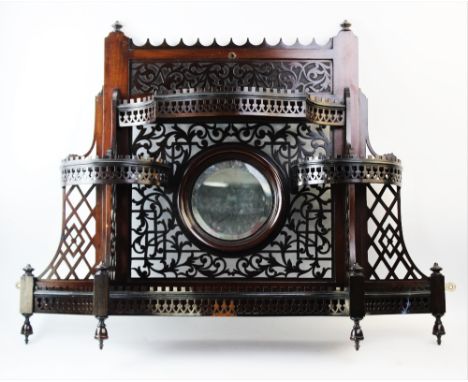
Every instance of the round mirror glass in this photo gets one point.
(231, 200)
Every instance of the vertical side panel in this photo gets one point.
(116, 75)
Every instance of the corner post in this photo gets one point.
(101, 303)
(116, 84)
(345, 70)
(437, 284)
(357, 309)
(27, 301)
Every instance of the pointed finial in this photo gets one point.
(345, 25)
(117, 26)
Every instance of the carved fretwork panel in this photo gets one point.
(75, 258)
(312, 76)
(160, 249)
(387, 256)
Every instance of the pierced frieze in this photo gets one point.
(302, 249)
(325, 111)
(120, 170)
(313, 171)
(397, 304)
(311, 76)
(240, 101)
(137, 111)
(248, 101)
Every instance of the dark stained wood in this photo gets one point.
(360, 221)
(220, 53)
(261, 162)
(350, 243)
(339, 233)
(116, 74)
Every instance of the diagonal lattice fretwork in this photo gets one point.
(75, 256)
(387, 256)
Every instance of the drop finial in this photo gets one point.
(345, 25)
(117, 26)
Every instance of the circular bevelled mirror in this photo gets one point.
(231, 199)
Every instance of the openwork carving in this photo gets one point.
(253, 102)
(325, 111)
(313, 171)
(159, 247)
(311, 76)
(137, 111)
(240, 101)
(388, 258)
(76, 255)
(200, 300)
(230, 300)
(398, 304)
(126, 170)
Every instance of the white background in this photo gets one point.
(413, 60)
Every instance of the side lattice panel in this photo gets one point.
(388, 258)
(75, 258)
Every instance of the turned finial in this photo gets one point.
(117, 26)
(345, 25)
(28, 270)
(436, 268)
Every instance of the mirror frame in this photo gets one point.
(221, 153)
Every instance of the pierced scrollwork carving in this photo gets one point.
(160, 248)
(311, 76)
(176, 143)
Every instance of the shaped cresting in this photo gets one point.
(306, 88)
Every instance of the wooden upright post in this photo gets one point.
(116, 74)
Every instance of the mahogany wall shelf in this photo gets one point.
(232, 180)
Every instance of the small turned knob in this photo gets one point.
(436, 269)
(28, 270)
(345, 25)
(117, 26)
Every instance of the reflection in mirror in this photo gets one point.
(231, 200)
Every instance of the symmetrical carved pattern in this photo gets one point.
(313, 45)
(231, 307)
(312, 171)
(126, 170)
(240, 101)
(311, 76)
(387, 256)
(257, 102)
(325, 111)
(63, 304)
(160, 248)
(137, 111)
(398, 304)
(75, 257)
(112, 256)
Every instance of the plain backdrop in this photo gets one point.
(413, 68)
